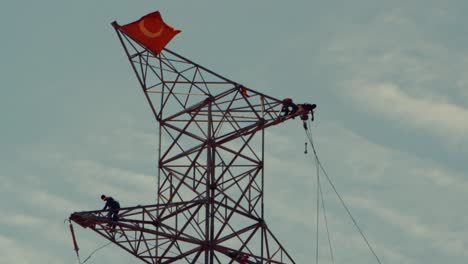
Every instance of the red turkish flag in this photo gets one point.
(151, 32)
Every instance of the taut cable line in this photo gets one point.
(319, 164)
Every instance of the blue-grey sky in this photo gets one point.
(389, 78)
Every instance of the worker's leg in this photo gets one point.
(109, 215)
(115, 215)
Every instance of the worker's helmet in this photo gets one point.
(103, 197)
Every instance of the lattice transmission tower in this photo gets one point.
(210, 202)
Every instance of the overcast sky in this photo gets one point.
(389, 77)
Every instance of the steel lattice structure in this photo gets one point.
(210, 203)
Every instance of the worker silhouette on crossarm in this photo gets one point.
(305, 109)
(114, 208)
(288, 107)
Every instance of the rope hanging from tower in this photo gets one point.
(319, 167)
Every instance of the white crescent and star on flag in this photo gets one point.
(148, 32)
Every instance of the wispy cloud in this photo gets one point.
(93, 178)
(447, 120)
(52, 231)
(396, 181)
(400, 71)
(13, 251)
(51, 202)
(21, 220)
(438, 236)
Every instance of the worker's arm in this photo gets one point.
(106, 205)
